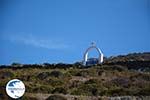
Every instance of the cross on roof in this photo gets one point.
(93, 43)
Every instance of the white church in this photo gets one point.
(92, 61)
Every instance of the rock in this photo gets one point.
(56, 97)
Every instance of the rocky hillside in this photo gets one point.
(127, 76)
(134, 61)
(130, 57)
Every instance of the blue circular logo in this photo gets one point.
(15, 88)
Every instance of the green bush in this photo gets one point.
(28, 98)
(87, 89)
(56, 74)
(42, 89)
(114, 67)
(6, 75)
(83, 73)
(55, 82)
(60, 90)
(72, 72)
(43, 75)
(75, 84)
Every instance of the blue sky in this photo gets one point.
(53, 31)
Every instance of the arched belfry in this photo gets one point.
(92, 61)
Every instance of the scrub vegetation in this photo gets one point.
(117, 76)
